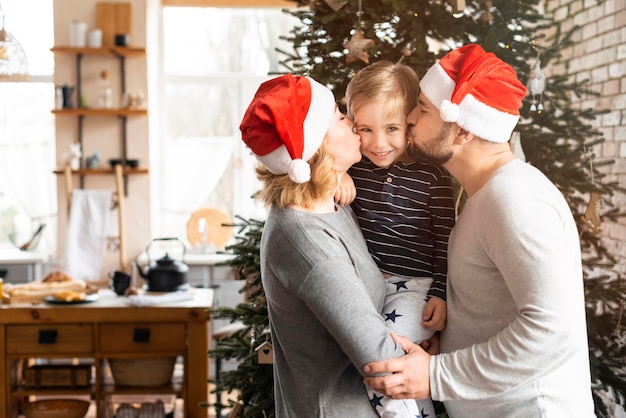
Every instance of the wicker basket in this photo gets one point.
(56, 408)
(146, 372)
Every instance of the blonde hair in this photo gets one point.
(394, 85)
(280, 190)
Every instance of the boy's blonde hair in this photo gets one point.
(395, 85)
(280, 190)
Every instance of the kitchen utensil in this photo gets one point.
(88, 298)
(206, 228)
(66, 93)
(165, 274)
(119, 282)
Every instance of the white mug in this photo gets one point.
(94, 38)
(78, 33)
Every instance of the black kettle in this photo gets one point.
(165, 274)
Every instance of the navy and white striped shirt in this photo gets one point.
(406, 213)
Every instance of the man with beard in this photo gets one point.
(515, 344)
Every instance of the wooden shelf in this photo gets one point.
(175, 387)
(101, 171)
(119, 51)
(100, 112)
(23, 391)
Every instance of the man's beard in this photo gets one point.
(438, 156)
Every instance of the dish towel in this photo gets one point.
(88, 227)
(148, 300)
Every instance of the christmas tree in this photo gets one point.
(252, 380)
(337, 38)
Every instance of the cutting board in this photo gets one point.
(114, 18)
(216, 234)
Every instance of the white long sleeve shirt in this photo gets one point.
(515, 343)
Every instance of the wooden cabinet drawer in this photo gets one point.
(50, 339)
(136, 338)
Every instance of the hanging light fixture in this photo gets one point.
(13, 61)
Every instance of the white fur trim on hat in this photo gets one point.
(299, 171)
(277, 161)
(449, 111)
(437, 85)
(317, 119)
(484, 121)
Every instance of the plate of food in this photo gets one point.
(71, 297)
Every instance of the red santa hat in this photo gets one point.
(476, 90)
(286, 123)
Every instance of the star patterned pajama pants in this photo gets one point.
(404, 305)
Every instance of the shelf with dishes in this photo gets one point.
(102, 171)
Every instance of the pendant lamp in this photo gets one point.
(13, 61)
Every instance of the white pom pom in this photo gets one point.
(299, 171)
(449, 111)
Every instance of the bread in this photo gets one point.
(33, 292)
(70, 296)
(57, 276)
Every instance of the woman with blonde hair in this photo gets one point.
(324, 292)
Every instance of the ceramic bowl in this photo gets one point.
(56, 408)
(132, 163)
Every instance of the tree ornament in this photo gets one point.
(457, 5)
(406, 52)
(358, 43)
(487, 15)
(536, 86)
(336, 4)
(265, 353)
(591, 218)
(356, 46)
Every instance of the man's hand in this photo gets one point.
(409, 378)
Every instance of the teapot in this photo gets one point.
(165, 274)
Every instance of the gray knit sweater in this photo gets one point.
(324, 295)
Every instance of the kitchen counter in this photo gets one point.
(108, 327)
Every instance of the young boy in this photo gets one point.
(405, 208)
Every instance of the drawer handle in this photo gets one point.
(141, 335)
(48, 336)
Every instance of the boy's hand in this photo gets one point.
(435, 314)
(346, 192)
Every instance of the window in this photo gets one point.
(27, 136)
(213, 60)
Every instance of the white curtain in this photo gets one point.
(194, 166)
(27, 154)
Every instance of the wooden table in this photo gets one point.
(107, 328)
